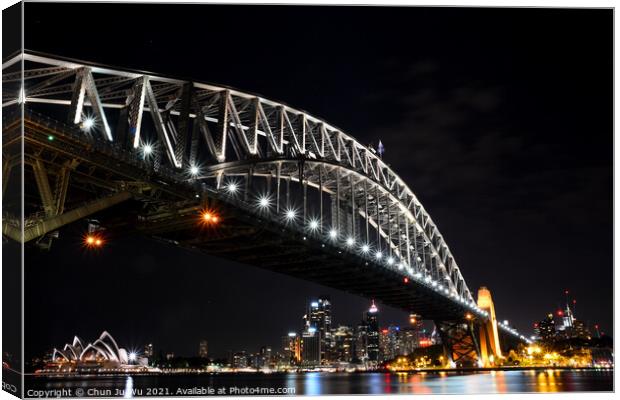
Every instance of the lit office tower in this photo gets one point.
(311, 347)
(319, 316)
(203, 349)
(291, 346)
(343, 344)
(390, 343)
(373, 333)
(361, 342)
(546, 329)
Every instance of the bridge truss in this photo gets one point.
(266, 157)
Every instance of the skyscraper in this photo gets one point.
(291, 346)
(361, 342)
(203, 349)
(546, 329)
(343, 344)
(311, 347)
(319, 316)
(372, 323)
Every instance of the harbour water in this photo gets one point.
(324, 383)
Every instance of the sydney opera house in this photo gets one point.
(102, 354)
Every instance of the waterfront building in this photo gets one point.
(344, 344)
(319, 316)
(291, 348)
(311, 347)
(391, 343)
(203, 349)
(410, 338)
(239, 360)
(361, 342)
(92, 356)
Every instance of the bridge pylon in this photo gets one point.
(490, 350)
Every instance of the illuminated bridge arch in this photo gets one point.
(260, 155)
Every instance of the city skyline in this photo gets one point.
(491, 167)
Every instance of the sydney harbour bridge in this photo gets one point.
(230, 174)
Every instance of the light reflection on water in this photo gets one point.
(318, 383)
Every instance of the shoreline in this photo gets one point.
(246, 373)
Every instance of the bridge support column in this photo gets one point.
(490, 350)
(460, 343)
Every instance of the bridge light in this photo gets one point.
(193, 170)
(390, 261)
(210, 217)
(232, 187)
(147, 149)
(406, 280)
(365, 248)
(314, 224)
(350, 241)
(468, 316)
(263, 202)
(378, 255)
(92, 240)
(400, 266)
(88, 124)
(290, 214)
(333, 233)
(506, 322)
(50, 138)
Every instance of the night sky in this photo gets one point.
(500, 120)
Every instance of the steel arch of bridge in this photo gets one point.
(222, 133)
